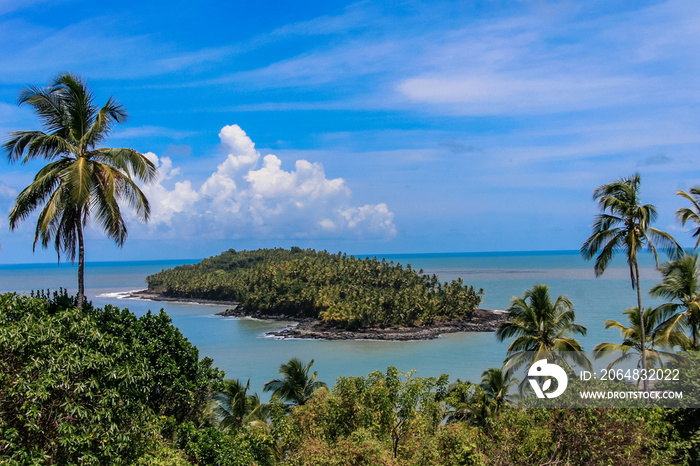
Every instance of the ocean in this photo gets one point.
(240, 348)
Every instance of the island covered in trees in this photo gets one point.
(331, 295)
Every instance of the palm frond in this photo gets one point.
(80, 181)
(49, 220)
(49, 107)
(608, 251)
(686, 214)
(44, 184)
(106, 208)
(78, 104)
(129, 161)
(666, 243)
(542, 329)
(110, 114)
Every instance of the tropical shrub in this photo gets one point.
(578, 436)
(69, 392)
(92, 386)
(382, 418)
(244, 447)
(686, 421)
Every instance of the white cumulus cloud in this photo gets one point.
(253, 196)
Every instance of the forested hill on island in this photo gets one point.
(341, 290)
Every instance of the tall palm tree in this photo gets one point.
(681, 282)
(542, 329)
(297, 385)
(624, 226)
(80, 180)
(632, 339)
(686, 214)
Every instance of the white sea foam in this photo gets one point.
(118, 294)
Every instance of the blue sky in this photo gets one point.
(369, 128)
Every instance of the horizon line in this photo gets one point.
(378, 255)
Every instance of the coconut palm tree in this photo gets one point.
(686, 214)
(234, 407)
(80, 180)
(464, 401)
(472, 403)
(496, 384)
(624, 226)
(681, 282)
(297, 385)
(632, 339)
(542, 329)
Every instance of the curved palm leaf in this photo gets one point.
(691, 214)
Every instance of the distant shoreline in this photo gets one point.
(158, 296)
(482, 320)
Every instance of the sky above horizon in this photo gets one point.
(368, 127)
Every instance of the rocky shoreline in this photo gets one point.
(482, 321)
(308, 328)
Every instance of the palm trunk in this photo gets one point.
(643, 342)
(81, 266)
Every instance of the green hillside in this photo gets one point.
(342, 290)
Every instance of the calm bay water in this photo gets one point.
(239, 347)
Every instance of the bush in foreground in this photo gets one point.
(92, 386)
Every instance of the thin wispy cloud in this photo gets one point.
(12, 6)
(355, 17)
(437, 113)
(658, 159)
(533, 66)
(532, 63)
(93, 46)
(139, 132)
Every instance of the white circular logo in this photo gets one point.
(544, 369)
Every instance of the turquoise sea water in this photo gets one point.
(239, 347)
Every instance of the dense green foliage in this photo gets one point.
(339, 289)
(243, 447)
(104, 387)
(92, 387)
(687, 421)
(233, 407)
(372, 417)
(399, 419)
